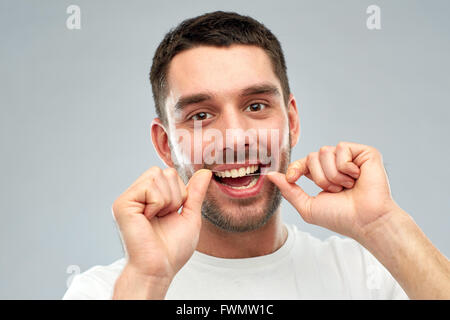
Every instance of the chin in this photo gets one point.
(241, 214)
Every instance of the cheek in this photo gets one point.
(183, 147)
(196, 148)
(277, 142)
(277, 133)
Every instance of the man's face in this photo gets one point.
(215, 93)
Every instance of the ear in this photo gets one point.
(160, 139)
(294, 121)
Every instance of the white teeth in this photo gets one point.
(238, 172)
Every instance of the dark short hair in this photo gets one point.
(220, 29)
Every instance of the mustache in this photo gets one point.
(247, 156)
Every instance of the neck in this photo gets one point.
(220, 243)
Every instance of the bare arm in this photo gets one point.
(417, 265)
(356, 201)
(131, 285)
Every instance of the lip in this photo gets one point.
(242, 193)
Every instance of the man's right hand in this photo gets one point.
(157, 238)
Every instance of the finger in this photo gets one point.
(142, 198)
(327, 158)
(170, 179)
(182, 188)
(296, 169)
(151, 172)
(196, 190)
(293, 193)
(152, 198)
(161, 183)
(318, 176)
(344, 160)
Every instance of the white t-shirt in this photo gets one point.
(303, 268)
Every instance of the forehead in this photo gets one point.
(222, 70)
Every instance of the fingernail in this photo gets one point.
(291, 173)
(204, 171)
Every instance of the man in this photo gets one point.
(213, 229)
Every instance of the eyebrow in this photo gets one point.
(191, 99)
(263, 88)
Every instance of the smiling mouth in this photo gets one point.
(241, 178)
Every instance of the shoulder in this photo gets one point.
(96, 283)
(345, 259)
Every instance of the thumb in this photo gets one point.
(196, 190)
(292, 193)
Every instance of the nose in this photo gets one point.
(232, 118)
(238, 132)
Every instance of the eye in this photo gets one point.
(255, 107)
(201, 116)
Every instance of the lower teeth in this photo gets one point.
(251, 184)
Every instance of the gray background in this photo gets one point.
(76, 108)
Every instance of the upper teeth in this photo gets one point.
(238, 172)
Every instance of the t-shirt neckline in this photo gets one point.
(252, 262)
